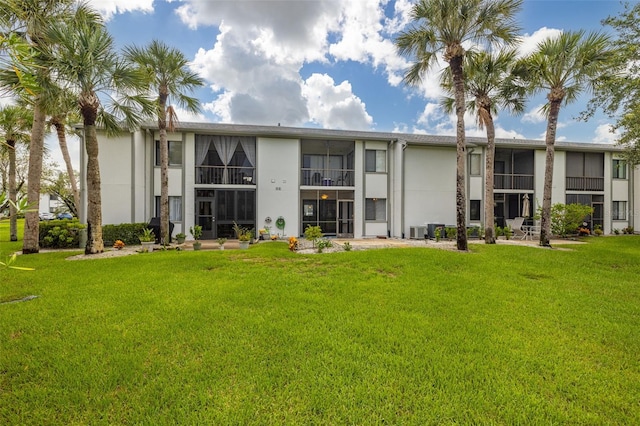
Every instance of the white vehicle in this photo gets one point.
(47, 216)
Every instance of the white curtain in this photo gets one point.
(203, 142)
(175, 209)
(226, 146)
(249, 147)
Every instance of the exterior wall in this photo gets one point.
(558, 189)
(429, 186)
(620, 191)
(278, 182)
(634, 214)
(358, 196)
(139, 175)
(376, 186)
(396, 182)
(116, 164)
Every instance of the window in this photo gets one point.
(475, 164)
(474, 210)
(175, 208)
(375, 161)
(175, 153)
(619, 169)
(375, 209)
(619, 210)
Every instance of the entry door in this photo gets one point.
(345, 218)
(205, 208)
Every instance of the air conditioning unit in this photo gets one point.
(417, 232)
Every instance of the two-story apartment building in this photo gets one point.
(350, 183)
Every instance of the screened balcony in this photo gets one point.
(225, 160)
(327, 163)
(585, 171)
(513, 169)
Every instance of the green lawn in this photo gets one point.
(502, 335)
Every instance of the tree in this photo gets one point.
(564, 66)
(168, 74)
(445, 26)
(15, 123)
(107, 91)
(30, 19)
(59, 184)
(65, 107)
(618, 91)
(491, 87)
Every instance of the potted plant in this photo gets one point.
(147, 239)
(243, 234)
(221, 241)
(180, 237)
(196, 232)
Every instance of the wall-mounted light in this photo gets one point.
(324, 196)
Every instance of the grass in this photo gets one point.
(502, 335)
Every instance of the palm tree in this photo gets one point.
(490, 86)
(15, 123)
(168, 74)
(31, 19)
(445, 26)
(564, 66)
(106, 90)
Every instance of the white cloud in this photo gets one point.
(334, 106)
(108, 8)
(529, 42)
(534, 115)
(604, 133)
(54, 153)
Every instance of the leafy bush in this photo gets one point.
(323, 243)
(313, 233)
(450, 232)
(567, 218)
(60, 233)
(127, 232)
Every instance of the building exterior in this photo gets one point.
(350, 183)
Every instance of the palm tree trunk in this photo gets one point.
(95, 244)
(545, 222)
(489, 236)
(13, 193)
(62, 141)
(30, 243)
(165, 238)
(461, 155)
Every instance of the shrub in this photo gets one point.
(60, 233)
(450, 232)
(323, 243)
(567, 218)
(313, 233)
(126, 232)
(507, 231)
(347, 246)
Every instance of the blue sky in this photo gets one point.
(332, 63)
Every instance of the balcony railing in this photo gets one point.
(327, 177)
(509, 181)
(585, 183)
(230, 175)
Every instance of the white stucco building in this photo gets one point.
(350, 183)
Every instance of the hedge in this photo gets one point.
(127, 232)
(60, 233)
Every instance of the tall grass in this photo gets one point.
(502, 335)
